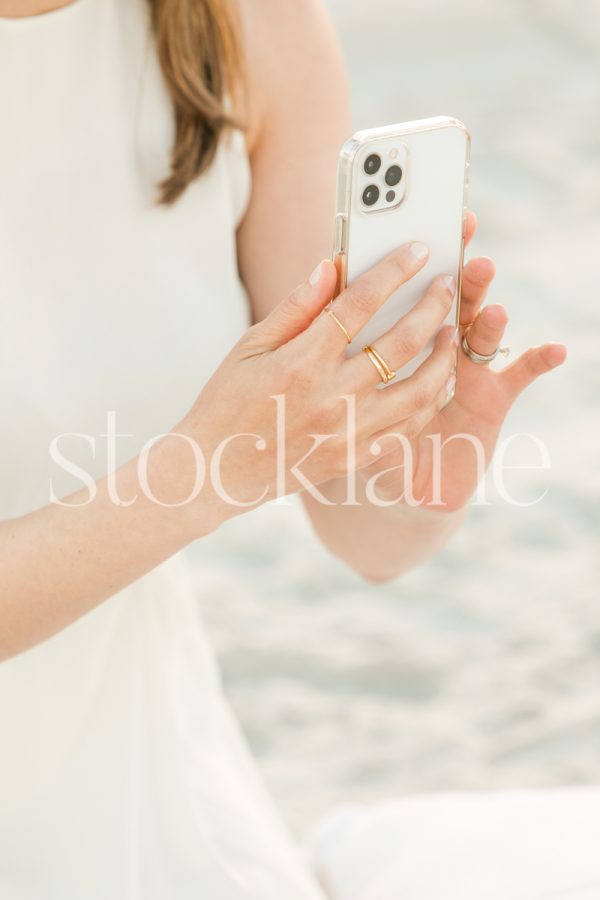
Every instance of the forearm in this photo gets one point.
(59, 562)
(380, 543)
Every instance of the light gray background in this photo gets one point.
(483, 668)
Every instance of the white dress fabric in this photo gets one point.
(122, 774)
(504, 845)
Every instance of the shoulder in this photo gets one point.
(292, 55)
(289, 20)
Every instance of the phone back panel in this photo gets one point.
(429, 206)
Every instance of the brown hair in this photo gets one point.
(198, 49)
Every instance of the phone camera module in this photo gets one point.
(372, 164)
(370, 195)
(393, 175)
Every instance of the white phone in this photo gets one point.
(395, 184)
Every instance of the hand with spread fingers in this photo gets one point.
(482, 400)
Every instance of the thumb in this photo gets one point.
(294, 314)
(530, 365)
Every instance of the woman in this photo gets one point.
(122, 774)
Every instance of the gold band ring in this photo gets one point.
(385, 373)
(342, 328)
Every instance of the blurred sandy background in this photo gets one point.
(483, 668)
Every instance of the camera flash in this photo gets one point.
(393, 153)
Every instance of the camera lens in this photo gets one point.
(370, 195)
(372, 164)
(393, 175)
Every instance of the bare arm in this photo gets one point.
(59, 562)
(300, 118)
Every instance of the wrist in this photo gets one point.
(408, 504)
(178, 481)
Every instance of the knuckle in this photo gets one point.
(252, 337)
(483, 331)
(424, 393)
(292, 307)
(413, 427)
(407, 341)
(399, 263)
(444, 358)
(438, 297)
(445, 289)
(292, 370)
(533, 363)
(363, 298)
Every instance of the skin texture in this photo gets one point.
(57, 563)
(296, 74)
(16, 9)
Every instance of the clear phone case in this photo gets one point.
(428, 204)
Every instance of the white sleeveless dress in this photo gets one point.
(122, 774)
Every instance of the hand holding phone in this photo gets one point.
(398, 184)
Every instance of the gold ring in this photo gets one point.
(385, 373)
(466, 325)
(342, 328)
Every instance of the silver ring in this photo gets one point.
(481, 358)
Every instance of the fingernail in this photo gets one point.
(454, 337)
(450, 385)
(450, 283)
(419, 250)
(316, 275)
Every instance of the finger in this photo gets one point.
(470, 226)
(531, 364)
(486, 332)
(361, 299)
(419, 391)
(476, 279)
(409, 335)
(412, 426)
(294, 314)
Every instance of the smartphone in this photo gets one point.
(396, 184)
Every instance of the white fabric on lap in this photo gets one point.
(518, 845)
